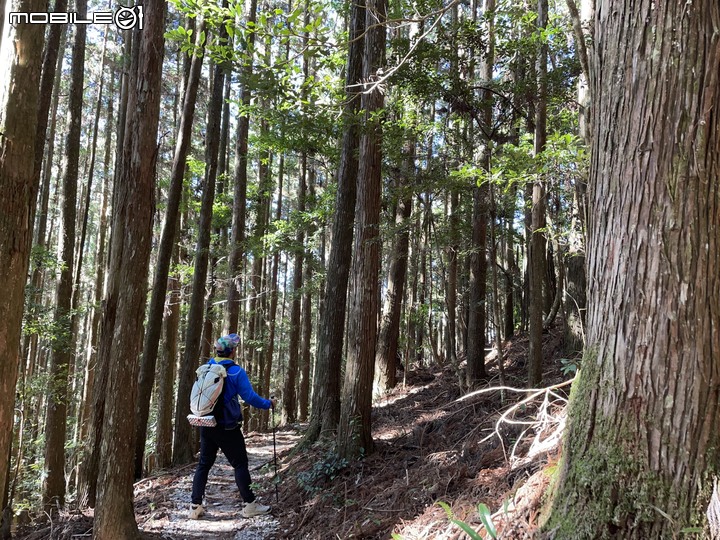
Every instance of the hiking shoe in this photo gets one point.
(196, 510)
(255, 509)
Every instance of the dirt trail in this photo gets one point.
(162, 502)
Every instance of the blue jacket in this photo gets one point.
(237, 384)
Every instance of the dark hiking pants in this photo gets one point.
(232, 443)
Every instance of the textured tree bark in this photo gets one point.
(18, 125)
(130, 257)
(575, 301)
(43, 176)
(326, 387)
(62, 350)
(354, 429)
(643, 430)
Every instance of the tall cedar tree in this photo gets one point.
(326, 389)
(354, 430)
(478, 257)
(133, 210)
(100, 253)
(290, 394)
(478, 273)
(91, 465)
(22, 54)
(643, 428)
(387, 346)
(536, 252)
(165, 250)
(62, 347)
(182, 446)
(237, 234)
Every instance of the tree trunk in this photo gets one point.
(130, 257)
(574, 302)
(536, 249)
(237, 234)
(354, 436)
(641, 445)
(166, 375)
(291, 377)
(47, 82)
(62, 348)
(326, 387)
(307, 317)
(478, 276)
(509, 321)
(182, 450)
(99, 278)
(387, 345)
(89, 476)
(452, 278)
(18, 124)
(44, 176)
(167, 243)
(273, 285)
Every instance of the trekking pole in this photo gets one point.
(275, 481)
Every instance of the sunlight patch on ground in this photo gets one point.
(399, 393)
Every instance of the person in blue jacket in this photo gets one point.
(227, 436)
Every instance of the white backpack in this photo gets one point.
(205, 393)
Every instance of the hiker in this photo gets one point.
(227, 435)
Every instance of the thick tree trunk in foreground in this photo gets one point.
(643, 428)
(326, 386)
(132, 241)
(354, 437)
(18, 124)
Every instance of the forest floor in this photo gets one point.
(431, 447)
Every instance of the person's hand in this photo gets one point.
(273, 400)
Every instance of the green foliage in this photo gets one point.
(569, 367)
(222, 211)
(321, 472)
(485, 518)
